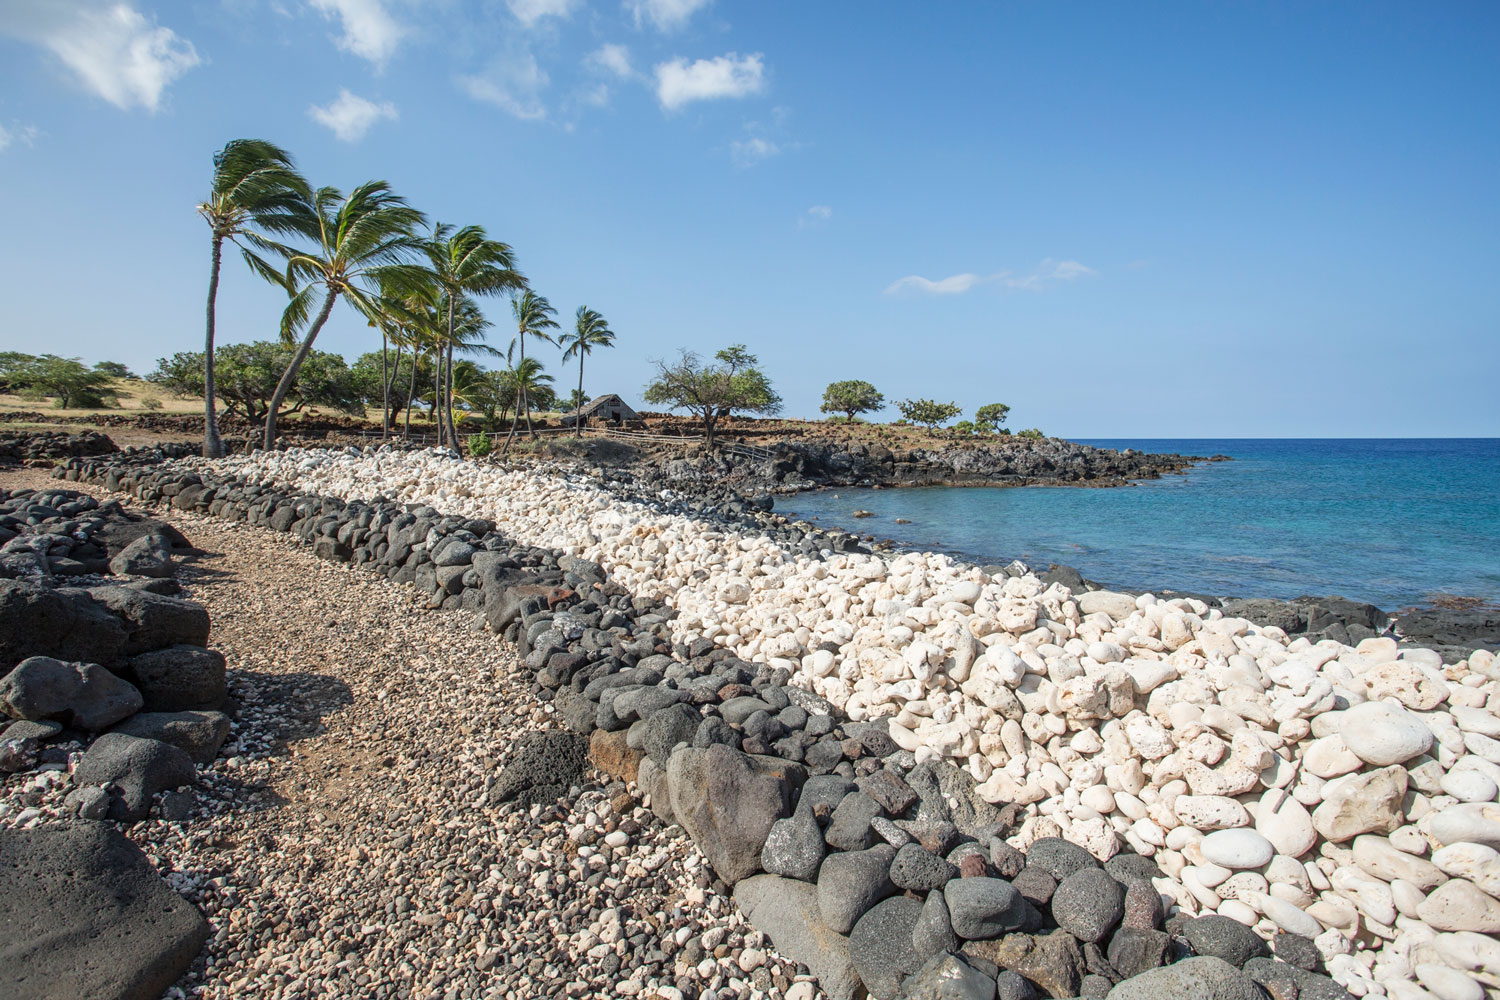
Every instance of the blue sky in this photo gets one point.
(1123, 220)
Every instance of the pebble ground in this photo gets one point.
(344, 844)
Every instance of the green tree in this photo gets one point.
(1030, 432)
(113, 369)
(255, 190)
(927, 412)
(577, 399)
(68, 380)
(851, 397)
(589, 331)
(533, 315)
(713, 391)
(248, 376)
(465, 262)
(13, 365)
(358, 243)
(989, 417)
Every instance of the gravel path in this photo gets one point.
(344, 843)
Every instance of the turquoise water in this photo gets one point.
(1392, 522)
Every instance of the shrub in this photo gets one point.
(480, 445)
(151, 402)
(1030, 432)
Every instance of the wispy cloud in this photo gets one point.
(613, 59)
(351, 116)
(370, 31)
(113, 49)
(24, 134)
(513, 84)
(815, 217)
(749, 152)
(529, 12)
(1049, 272)
(680, 82)
(665, 15)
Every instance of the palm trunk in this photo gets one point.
(390, 384)
(290, 375)
(452, 423)
(578, 409)
(385, 386)
(411, 392)
(520, 396)
(436, 413)
(212, 446)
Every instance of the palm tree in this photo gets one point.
(527, 377)
(589, 331)
(534, 316)
(255, 186)
(466, 262)
(359, 241)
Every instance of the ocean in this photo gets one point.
(1393, 522)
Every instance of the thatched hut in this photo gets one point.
(609, 410)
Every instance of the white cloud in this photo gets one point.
(529, 12)
(513, 84)
(370, 32)
(114, 50)
(732, 75)
(24, 134)
(666, 15)
(351, 116)
(749, 152)
(815, 217)
(821, 212)
(613, 59)
(1048, 272)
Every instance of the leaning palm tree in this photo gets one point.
(358, 242)
(461, 330)
(589, 331)
(534, 316)
(527, 377)
(466, 262)
(255, 187)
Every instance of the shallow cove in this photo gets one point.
(1388, 521)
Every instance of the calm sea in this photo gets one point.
(1393, 522)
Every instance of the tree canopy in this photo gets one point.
(929, 413)
(247, 376)
(851, 397)
(989, 417)
(70, 382)
(713, 391)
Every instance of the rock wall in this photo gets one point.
(1335, 802)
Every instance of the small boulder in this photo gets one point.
(984, 907)
(881, 945)
(149, 555)
(795, 846)
(948, 977)
(1203, 978)
(86, 915)
(850, 882)
(136, 770)
(727, 801)
(1223, 937)
(179, 678)
(83, 695)
(786, 911)
(1088, 904)
(199, 734)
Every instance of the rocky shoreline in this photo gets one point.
(711, 660)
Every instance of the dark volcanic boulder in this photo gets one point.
(948, 977)
(1224, 937)
(137, 769)
(544, 766)
(786, 911)
(149, 555)
(881, 945)
(85, 915)
(39, 621)
(199, 734)
(84, 695)
(1191, 979)
(151, 620)
(179, 678)
(1088, 904)
(727, 801)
